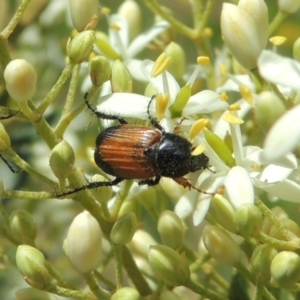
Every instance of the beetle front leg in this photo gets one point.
(150, 181)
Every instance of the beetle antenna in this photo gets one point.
(153, 121)
(211, 170)
(101, 115)
(9, 166)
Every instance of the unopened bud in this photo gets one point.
(83, 12)
(269, 108)
(33, 294)
(80, 47)
(126, 293)
(84, 243)
(32, 265)
(261, 261)
(20, 80)
(99, 69)
(222, 212)
(177, 60)
(132, 12)
(170, 229)
(23, 226)
(62, 159)
(289, 6)
(168, 265)
(124, 229)
(121, 80)
(248, 220)
(221, 246)
(285, 269)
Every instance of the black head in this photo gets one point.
(173, 158)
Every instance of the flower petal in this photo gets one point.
(285, 190)
(185, 205)
(201, 211)
(279, 69)
(239, 187)
(274, 173)
(126, 105)
(283, 136)
(204, 102)
(141, 41)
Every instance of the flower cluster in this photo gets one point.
(138, 228)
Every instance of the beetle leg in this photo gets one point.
(101, 115)
(177, 127)
(92, 185)
(150, 181)
(185, 183)
(9, 116)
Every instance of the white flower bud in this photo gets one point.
(82, 12)
(241, 33)
(289, 6)
(84, 242)
(20, 79)
(132, 13)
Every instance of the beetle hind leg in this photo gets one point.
(150, 181)
(92, 185)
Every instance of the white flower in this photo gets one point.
(120, 41)
(251, 170)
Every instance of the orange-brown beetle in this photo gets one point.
(141, 152)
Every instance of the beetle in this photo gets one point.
(129, 151)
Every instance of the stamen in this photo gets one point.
(197, 127)
(160, 65)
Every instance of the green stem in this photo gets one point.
(67, 119)
(59, 279)
(4, 56)
(245, 272)
(70, 293)
(278, 244)
(103, 279)
(99, 292)
(120, 198)
(27, 168)
(178, 26)
(15, 20)
(55, 89)
(118, 264)
(201, 291)
(72, 90)
(28, 112)
(289, 236)
(206, 13)
(278, 19)
(26, 195)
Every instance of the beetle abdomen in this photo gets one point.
(120, 151)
